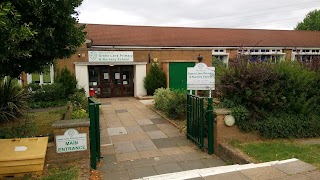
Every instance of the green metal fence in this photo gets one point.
(200, 121)
(94, 115)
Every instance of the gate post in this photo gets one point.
(210, 126)
(97, 129)
(93, 140)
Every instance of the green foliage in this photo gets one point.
(46, 104)
(79, 114)
(300, 86)
(18, 131)
(79, 99)
(172, 102)
(254, 86)
(12, 101)
(37, 32)
(220, 67)
(33, 86)
(278, 100)
(290, 126)
(311, 22)
(13, 36)
(48, 92)
(68, 81)
(155, 79)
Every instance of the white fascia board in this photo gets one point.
(162, 47)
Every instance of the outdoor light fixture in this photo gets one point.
(149, 59)
(229, 120)
(200, 58)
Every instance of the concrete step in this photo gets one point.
(274, 168)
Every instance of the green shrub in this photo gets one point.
(13, 101)
(255, 86)
(172, 102)
(67, 80)
(18, 131)
(79, 114)
(79, 99)
(290, 126)
(45, 104)
(33, 86)
(155, 79)
(301, 87)
(48, 92)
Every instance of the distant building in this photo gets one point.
(115, 59)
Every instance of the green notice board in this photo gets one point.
(178, 74)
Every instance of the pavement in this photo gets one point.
(137, 143)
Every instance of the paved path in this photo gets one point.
(137, 142)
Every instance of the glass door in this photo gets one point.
(105, 82)
(116, 82)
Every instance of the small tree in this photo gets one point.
(68, 81)
(155, 79)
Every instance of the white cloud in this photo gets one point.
(271, 14)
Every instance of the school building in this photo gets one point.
(115, 59)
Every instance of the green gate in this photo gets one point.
(200, 121)
(94, 115)
(178, 74)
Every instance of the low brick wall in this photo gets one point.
(223, 134)
(82, 157)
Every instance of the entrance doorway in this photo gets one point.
(111, 81)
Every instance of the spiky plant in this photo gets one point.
(13, 101)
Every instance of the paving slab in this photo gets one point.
(143, 145)
(121, 110)
(150, 153)
(232, 176)
(171, 151)
(295, 167)
(213, 162)
(143, 162)
(140, 172)
(133, 129)
(128, 156)
(194, 164)
(159, 121)
(150, 127)
(124, 147)
(116, 131)
(156, 134)
(263, 173)
(167, 168)
(164, 143)
(144, 121)
(116, 174)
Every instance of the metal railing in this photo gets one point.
(200, 121)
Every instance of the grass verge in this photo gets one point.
(33, 124)
(280, 150)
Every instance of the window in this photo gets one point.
(46, 77)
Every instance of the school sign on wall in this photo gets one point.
(200, 77)
(71, 141)
(110, 56)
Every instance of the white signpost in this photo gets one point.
(201, 77)
(110, 56)
(71, 141)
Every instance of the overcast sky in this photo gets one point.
(249, 14)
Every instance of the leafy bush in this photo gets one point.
(13, 101)
(254, 86)
(172, 102)
(45, 104)
(79, 114)
(67, 80)
(290, 126)
(33, 86)
(48, 92)
(278, 100)
(18, 131)
(79, 99)
(155, 79)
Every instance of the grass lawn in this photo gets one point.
(33, 124)
(280, 150)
